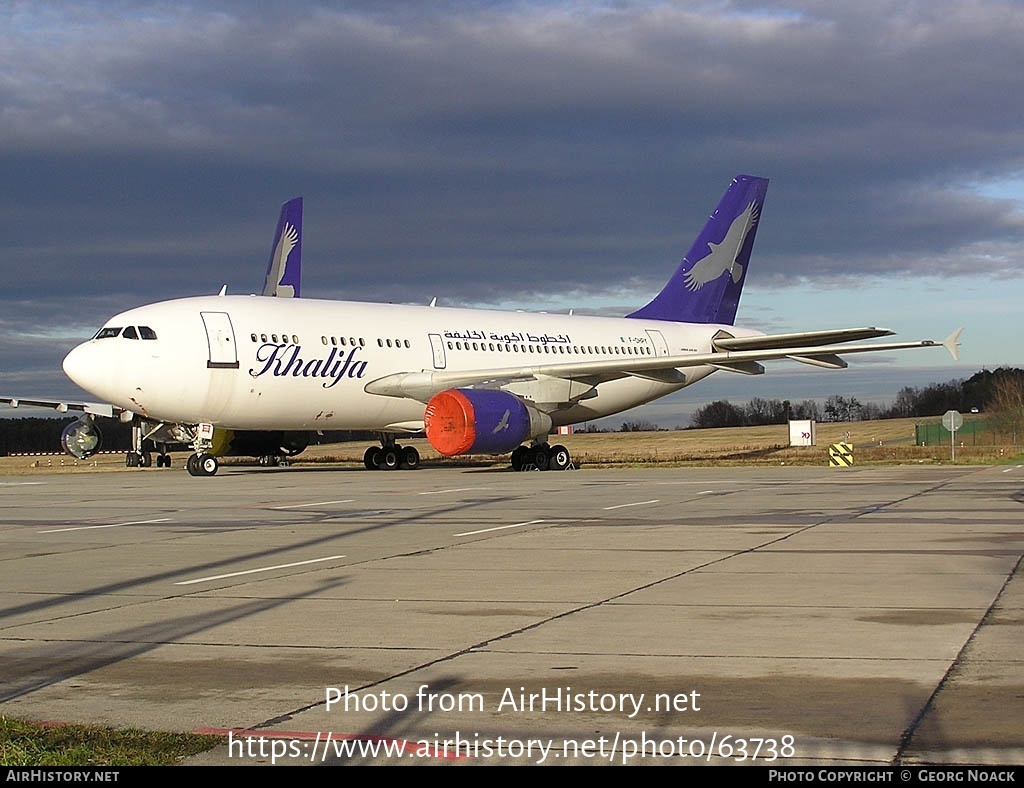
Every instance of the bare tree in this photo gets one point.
(1006, 408)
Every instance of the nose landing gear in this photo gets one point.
(201, 465)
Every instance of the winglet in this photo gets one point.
(706, 286)
(952, 344)
(283, 270)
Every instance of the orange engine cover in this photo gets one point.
(476, 421)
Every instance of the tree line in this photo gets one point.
(999, 392)
(42, 435)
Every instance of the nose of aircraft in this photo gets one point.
(80, 365)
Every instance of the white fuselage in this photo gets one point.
(255, 363)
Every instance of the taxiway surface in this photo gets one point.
(863, 615)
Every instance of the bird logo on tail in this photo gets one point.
(723, 255)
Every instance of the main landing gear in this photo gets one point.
(391, 457)
(138, 459)
(541, 457)
(143, 446)
(143, 458)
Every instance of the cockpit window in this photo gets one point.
(146, 332)
(106, 333)
(130, 333)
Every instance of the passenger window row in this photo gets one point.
(393, 343)
(275, 338)
(331, 341)
(586, 350)
(343, 342)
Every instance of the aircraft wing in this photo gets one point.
(425, 384)
(95, 408)
(801, 339)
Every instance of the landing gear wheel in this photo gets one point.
(558, 458)
(538, 457)
(519, 455)
(370, 458)
(134, 459)
(163, 461)
(387, 458)
(410, 458)
(201, 465)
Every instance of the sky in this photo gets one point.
(537, 155)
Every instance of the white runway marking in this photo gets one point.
(254, 571)
(676, 483)
(499, 528)
(318, 503)
(111, 525)
(18, 484)
(454, 489)
(624, 505)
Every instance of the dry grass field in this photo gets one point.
(875, 442)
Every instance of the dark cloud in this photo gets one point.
(496, 152)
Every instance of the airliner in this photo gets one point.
(474, 381)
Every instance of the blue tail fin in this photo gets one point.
(284, 268)
(706, 286)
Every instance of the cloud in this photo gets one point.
(506, 152)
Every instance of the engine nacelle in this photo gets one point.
(81, 438)
(481, 421)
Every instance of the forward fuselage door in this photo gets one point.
(220, 336)
(658, 340)
(437, 346)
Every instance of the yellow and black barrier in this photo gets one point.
(840, 455)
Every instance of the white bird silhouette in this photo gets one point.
(503, 424)
(723, 255)
(289, 238)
